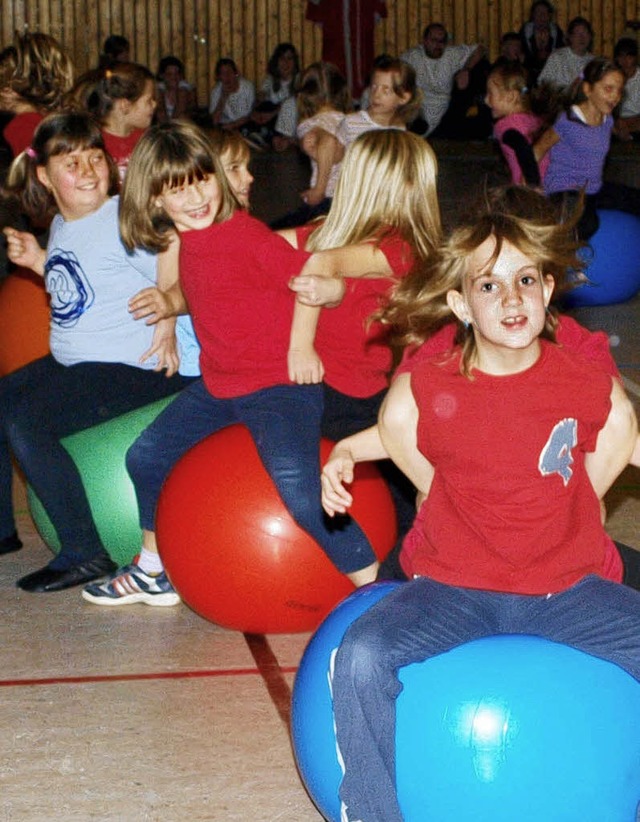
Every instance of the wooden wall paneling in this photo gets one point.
(256, 23)
(296, 34)
(202, 52)
(178, 29)
(120, 26)
(190, 45)
(87, 23)
(281, 17)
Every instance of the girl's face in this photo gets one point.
(140, 112)
(606, 93)
(286, 65)
(384, 102)
(79, 181)
(628, 63)
(192, 206)
(579, 39)
(228, 79)
(500, 101)
(172, 77)
(505, 302)
(236, 169)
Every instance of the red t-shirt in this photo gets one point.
(20, 129)
(121, 148)
(511, 507)
(355, 354)
(235, 278)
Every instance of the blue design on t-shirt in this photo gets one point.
(70, 290)
(556, 456)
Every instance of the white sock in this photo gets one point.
(150, 562)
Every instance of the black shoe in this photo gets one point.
(49, 579)
(10, 544)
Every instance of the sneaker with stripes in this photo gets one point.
(131, 584)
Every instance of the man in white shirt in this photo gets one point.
(439, 68)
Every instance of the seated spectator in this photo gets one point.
(116, 49)
(446, 78)
(232, 97)
(176, 98)
(627, 125)
(565, 64)
(284, 130)
(540, 36)
(511, 49)
(283, 69)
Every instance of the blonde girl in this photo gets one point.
(102, 362)
(520, 116)
(385, 202)
(322, 101)
(123, 101)
(512, 439)
(234, 278)
(35, 73)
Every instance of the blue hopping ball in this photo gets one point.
(612, 262)
(502, 728)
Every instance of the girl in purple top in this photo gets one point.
(577, 146)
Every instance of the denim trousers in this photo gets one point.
(45, 401)
(423, 618)
(284, 421)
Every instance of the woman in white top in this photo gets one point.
(565, 65)
(232, 97)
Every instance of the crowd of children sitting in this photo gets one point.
(116, 154)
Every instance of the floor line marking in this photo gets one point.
(90, 678)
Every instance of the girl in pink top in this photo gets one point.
(517, 126)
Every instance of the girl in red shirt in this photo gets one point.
(513, 440)
(234, 278)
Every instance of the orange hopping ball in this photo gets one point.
(234, 553)
(24, 320)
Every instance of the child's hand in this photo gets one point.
(150, 304)
(23, 250)
(165, 347)
(337, 471)
(314, 289)
(312, 196)
(305, 367)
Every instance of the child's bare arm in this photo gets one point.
(320, 281)
(546, 140)
(325, 153)
(23, 250)
(158, 305)
(398, 424)
(164, 344)
(338, 470)
(304, 364)
(616, 442)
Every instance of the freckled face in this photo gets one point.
(505, 302)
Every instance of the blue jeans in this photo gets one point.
(423, 618)
(284, 422)
(45, 401)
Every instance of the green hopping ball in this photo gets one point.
(99, 454)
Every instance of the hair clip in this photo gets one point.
(31, 152)
(466, 324)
